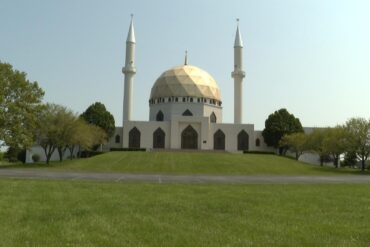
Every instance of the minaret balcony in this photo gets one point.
(238, 73)
(129, 70)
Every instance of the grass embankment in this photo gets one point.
(191, 163)
(61, 213)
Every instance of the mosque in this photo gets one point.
(185, 112)
(185, 109)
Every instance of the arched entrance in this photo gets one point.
(134, 138)
(243, 140)
(159, 138)
(219, 140)
(189, 138)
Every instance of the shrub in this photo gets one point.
(87, 154)
(258, 152)
(15, 154)
(36, 157)
(1, 156)
(350, 159)
(128, 149)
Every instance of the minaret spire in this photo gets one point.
(129, 71)
(238, 37)
(131, 31)
(238, 74)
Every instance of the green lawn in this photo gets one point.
(71, 213)
(192, 163)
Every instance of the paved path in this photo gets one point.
(152, 178)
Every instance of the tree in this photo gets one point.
(277, 125)
(98, 115)
(20, 102)
(65, 130)
(335, 143)
(296, 142)
(48, 129)
(315, 143)
(358, 130)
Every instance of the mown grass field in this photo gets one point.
(191, 163)
(71, 213)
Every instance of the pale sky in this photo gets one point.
(309, 56)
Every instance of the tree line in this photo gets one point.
(25, 120)
(352, 139)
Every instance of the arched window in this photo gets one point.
(189, 138)
(134, 138)
(258, 142)
(117, 139)
(243, 140)
(213, 118)
(159, 116)
(187, 113)
(159, 138)
(219, 140)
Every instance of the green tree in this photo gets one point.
(48, 129)
(296, 142)
(358, 130)
(335, 143)
(98, 115)
(65, 129)
(315, 143)
(20, 101)
(277, 125)
(350, 159)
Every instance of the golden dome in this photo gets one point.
(183, 81)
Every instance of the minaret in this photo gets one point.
(238, 74)
(129, 71)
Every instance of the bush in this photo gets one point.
(350, 159)
(36, 157)
(1, 156)
(15, 154)
(87, 154)
(258, 152)
(128, 149)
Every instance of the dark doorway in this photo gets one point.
(258, 142)
(134, 138)
(219, 140)
(117, 139)
(159, 116)
(159, 138)
(243, 140)
(189, 138)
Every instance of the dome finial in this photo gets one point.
(186, 57)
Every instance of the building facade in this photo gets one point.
(185, 109)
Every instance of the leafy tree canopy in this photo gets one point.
(20, 101)
(98, 115)
(358, 130)
(278, 124)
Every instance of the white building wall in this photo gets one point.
(146, 132)
(178, 108)
(231, 132)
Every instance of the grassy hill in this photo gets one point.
(192, 163)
